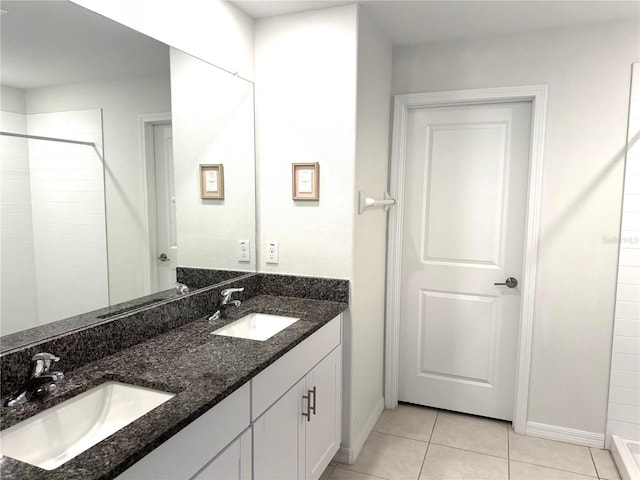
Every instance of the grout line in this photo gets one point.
(509, 453)
(593, 461)
(558, 469)
(400, 436)
(433, 427)
(470, 451)
(363, 473)
(424, 459)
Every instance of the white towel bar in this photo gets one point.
(365, 202)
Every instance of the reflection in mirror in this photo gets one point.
(84, 227)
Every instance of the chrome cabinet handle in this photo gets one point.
(509, 282)
(308, 412)
(312, 407)
(163, 257)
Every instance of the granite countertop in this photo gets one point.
(200, 368)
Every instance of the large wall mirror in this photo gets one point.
(107, 217)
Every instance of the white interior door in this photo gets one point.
(165, 207)
(463, 230)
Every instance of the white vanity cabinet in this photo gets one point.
(284, 424)
(234, 463)
(298, 435)
(188, 452)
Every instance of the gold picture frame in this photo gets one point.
(306, 181)
(212, 181)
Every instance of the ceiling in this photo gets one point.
(39, 46)
(38, 39)
(423, 21)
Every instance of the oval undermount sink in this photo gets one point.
(256, 326)
(58, 434)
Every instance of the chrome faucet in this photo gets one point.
(181, 288)
(42, 382)
(226, 302)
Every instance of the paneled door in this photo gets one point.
(463, 233)
(165, 205)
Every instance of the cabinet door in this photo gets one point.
(234, 463)
(193, 447)
(276, 438)
(323, 430)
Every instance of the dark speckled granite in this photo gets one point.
(86, 338)
(85, 345)
(331, 289)
(42, 333)
(203, 277)
(202, 369)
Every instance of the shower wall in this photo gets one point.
(623, 417)
(68, 210)
(18, 304)
(53, 250)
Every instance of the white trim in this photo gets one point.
(537, 94)
(144, 122)
(563, 434)
(349, 455)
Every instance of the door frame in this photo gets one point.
(537, 95)
(147, 167)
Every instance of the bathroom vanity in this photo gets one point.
(292, 409)
(242, 408)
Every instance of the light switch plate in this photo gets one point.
(244, 250)
(272, 252)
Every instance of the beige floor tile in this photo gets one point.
(446, 463)
(549, 453)
(341, 474)
(605, 466)
(409, 421)
(527, 471)
(481, 435)
(390, 457)
(327, 473)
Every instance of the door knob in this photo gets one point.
(509, 282)
(163, 258)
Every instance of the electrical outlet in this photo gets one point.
(244, 250)
(272, 252)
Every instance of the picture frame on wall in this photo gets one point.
(212, 181)
(306, 181)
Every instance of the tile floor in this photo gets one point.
(419, 443)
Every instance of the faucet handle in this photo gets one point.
(227, 292)
(42, 363)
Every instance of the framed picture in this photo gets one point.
(212, 181)
(306, 181)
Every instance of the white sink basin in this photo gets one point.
(56, 435)
(256, 326)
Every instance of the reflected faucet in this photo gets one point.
(225, 303)
(42, 383)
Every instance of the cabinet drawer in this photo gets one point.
(195, 445)
(271, 383)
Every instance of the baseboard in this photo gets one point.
(350, 454)
(568, 435)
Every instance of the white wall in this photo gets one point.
(121, 102)
(323, 95)
(305, 74)
(624, 395)
(213, 124)
(17, 269)
(366, 332)
(212, 30)
(67, 205)
(587, 70)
